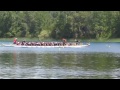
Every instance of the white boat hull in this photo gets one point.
(22, 46)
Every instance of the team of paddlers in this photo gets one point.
(63, 43)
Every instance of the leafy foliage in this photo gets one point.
(59, 24)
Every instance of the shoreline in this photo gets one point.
(69, 40)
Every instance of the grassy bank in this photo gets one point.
(94, 40)
(25, 39)
(110, 40)
(107, 40)
(19, 39)
(82, 40)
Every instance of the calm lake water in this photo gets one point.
(97, 61)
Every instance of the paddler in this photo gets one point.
(15, 41)
(64, 41)
(76, 41)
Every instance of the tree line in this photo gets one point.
(59, 24)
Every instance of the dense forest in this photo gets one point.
(59, 24)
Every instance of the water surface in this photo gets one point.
(97, 61)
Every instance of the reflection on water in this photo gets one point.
(60, 63)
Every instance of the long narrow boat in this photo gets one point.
(46, 45)
(66, 46)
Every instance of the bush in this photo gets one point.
(43, 34)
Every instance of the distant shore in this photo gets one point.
(69, 40)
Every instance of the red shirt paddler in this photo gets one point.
(15, 41)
